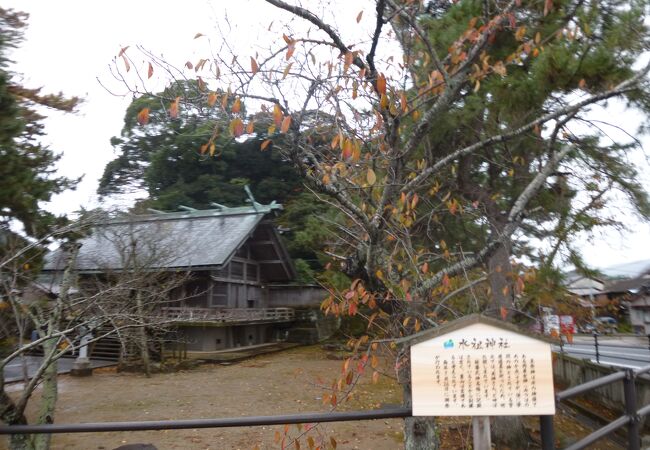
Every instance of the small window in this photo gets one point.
(218, 341)
(250, 303)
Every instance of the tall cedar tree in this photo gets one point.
(27, 172)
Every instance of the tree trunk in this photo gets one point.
(509, 431)
(48, 397)
(500, 279)
(506, 430)
(420, 433)
(143, 341)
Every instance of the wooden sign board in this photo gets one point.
(482, 370)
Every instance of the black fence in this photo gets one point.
(631, 419)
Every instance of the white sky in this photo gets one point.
(70, 43)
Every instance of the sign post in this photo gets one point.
(480, 367)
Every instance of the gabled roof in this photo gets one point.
(633, 285)
(178, 240)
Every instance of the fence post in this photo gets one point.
(596, 345)
(547, 432)
(629, 390)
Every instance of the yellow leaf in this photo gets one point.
(204, 148)
(212, 99)
(374, 361)
(143, 116)
(277, 115)
(286, 70)
(383, 102)
(371, 177)
(250, 127)
(310, 442)
(477, 86)
(520, 33)
(286, 123)
(359, 16)
(213, 148)
(335, 141)
(333, 442)
(254, 67)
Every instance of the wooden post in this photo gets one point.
(481, 433)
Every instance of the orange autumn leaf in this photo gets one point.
(143, 116)
(150, 71)
(236, 106)
(212, 99)
(290, 49)
(254, 67)
(173, 108)
(236, 127)
(265, 144)
(504, 313)
(347, 149)
(286, 123)
(381, 84)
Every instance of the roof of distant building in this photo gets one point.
(167, 240)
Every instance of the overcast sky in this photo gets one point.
(71, 43)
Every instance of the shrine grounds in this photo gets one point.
(281, 383)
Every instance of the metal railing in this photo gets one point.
(185, 314)
(631, 418)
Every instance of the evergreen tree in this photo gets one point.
(27, 173)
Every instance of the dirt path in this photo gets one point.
(266, 385)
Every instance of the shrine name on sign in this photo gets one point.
(481, 369)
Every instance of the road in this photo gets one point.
(618, 351)
(14, 370)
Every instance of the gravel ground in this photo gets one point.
(284, 382)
